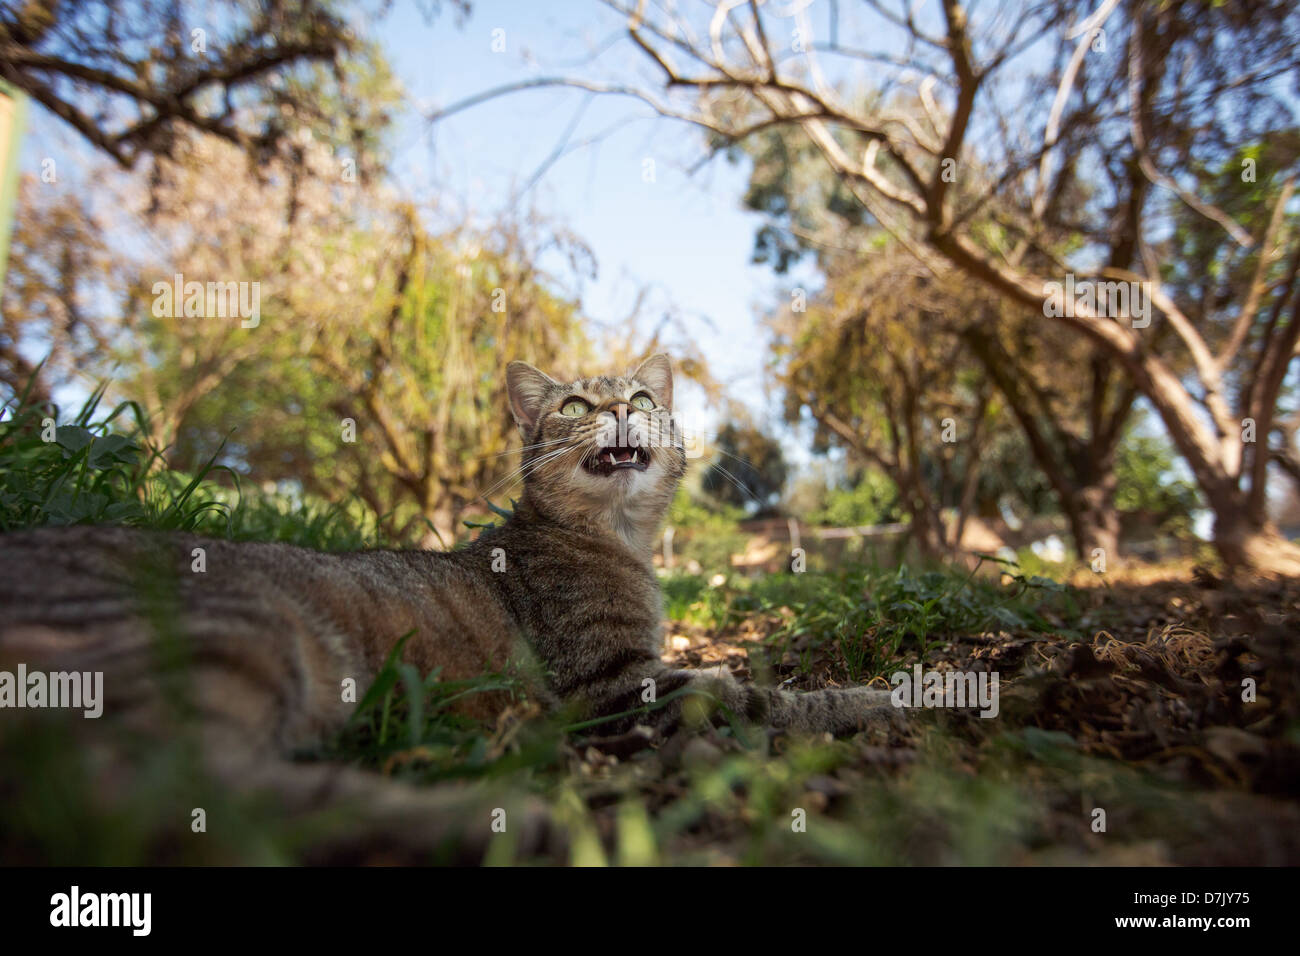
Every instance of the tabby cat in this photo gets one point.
(564, 591)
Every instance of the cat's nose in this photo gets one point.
(620, 410)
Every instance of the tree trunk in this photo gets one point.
(1246, 543)
(1250, 545)
(1094, 520)
(1081, 470)
(926, 530)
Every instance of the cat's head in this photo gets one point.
(601, 451)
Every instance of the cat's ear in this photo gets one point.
(527, 387)
(657, 372)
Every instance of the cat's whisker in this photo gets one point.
(521, 449)
(527, 469)
(736, 481)
(532, 467)
(510, 478)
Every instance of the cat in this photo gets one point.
(564, 593)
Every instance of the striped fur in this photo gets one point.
(563, 593)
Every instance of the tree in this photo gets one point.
(370, 363)
(1070, 402)
(375, 367)
(283, 87)
(1071, 408)
(1100, 128)
(754, 470)
(292, 238)
(874, 361)
(59, 263)
(135, 78)
(428, 392)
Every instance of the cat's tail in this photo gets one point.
(837, 710)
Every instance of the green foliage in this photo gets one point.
(1147, 482)
(872, 499)
(432, 428)
(871, 619)
(706, 531)
(89, 473)
(788, 185)
(691, 598)
(406, 724)
(80, 472)
(692, 513)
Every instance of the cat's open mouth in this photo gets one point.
(612, 458)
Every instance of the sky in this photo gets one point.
(624, 185)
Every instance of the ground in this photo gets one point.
(1148, 715)
(1125, 736)
(1125, 697)
(1143, 723)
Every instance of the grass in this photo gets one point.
(958, 792)
(98, 468)
(874, 617)
(406, 726)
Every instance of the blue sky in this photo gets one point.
(684, 234)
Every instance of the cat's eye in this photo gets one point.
(643, 401)
(574, 408)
